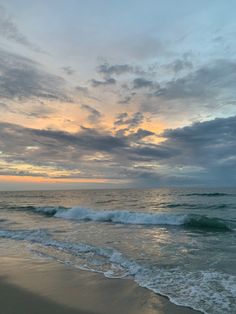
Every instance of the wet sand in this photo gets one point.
(31, 286)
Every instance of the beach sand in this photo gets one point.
(41, 287)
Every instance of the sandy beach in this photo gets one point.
(30, 286)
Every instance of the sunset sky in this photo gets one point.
(129, 93)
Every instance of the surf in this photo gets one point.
(195, 221)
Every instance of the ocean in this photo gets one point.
(177, 242)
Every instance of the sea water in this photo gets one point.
(180, 242)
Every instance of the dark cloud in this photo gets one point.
(204, 152)
(67, 151)
(210, 146)
(121, 118)
(94, 115)
(10, 31)
(149, 152)
(130, 121)
(204, 83)
(22, 78)
(140, 134)
(179, 65)
(15, 138)
(82, 90)
(142, 83)
(118, 69)
(106, 82)
(133, 136)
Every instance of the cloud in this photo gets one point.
(4, 106)
(125, 100)
(96, 154)
(10, 31)
(179, 65)
(204, 152)
(16, 138)
(207, 146)
(40, 110)
(68, 70)
(82, 90)
(94, 115)
(139, 135)
(208, 90)
(204, 83)
(142, 83)
(206, 143)
(106, 82)
(23, 78)
(117, 69)
(130, 121)
(85, 92)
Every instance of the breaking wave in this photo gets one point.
(135, 218)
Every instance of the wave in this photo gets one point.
(206, 223)
(209, 194)
(141, 218)
(122, 217)
(46, 210)
(136, 218)
(106, 201)
(197, 289)
(195, 206)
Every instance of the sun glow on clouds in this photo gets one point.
(22, 172)
(33, 170)
(33, 179)
(136, 106)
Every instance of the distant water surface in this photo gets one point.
(180, 243)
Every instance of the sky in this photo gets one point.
(117, 94)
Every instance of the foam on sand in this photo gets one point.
(208, 291)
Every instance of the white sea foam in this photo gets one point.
(208, 291)
(144, 218)
(135, 218)
(122, 216)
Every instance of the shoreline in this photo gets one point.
(38, 286)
